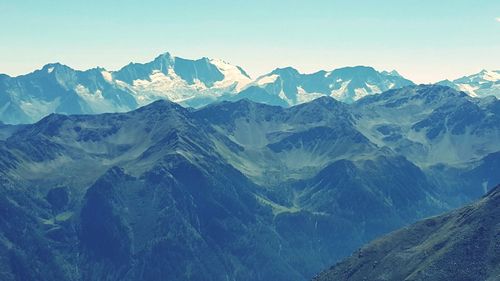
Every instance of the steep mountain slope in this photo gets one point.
(461, 245)
(273, 138)
(165, 192)
(431, 124)
(444, 132)
(349, 203)
(315, 164)
(131, 196)
(483, 84)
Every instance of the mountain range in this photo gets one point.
(234, 190)
(483, 84)
(57, 88)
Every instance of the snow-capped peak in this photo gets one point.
(482, 84)
(490, 75)
(233, 75)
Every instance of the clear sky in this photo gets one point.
(425, 40)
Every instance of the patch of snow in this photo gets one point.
(233, 76)
(83, 92)
(303, 96)
(172, 87)
(266, 79)
(341, 92)
(37, 109)
(107, 76)
(169, 86)
(374, 89)
(96, 100)
(198, 85)
(491, 76)
(283, 96)
(485, 187)
(359, 93)
(50, 69)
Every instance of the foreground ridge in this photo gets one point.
(460, 245)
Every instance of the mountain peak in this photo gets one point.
(354, 70)
(391, 73)
(403, 96)
(358, 67)
(162, 104)
(165, 55)
(434, 89)
(490, 75)
(326, 101)
(163, 60)
(56, 66)
(482, 84)
(244, 104)
(322, 103)
(394, 73)
(285, 70)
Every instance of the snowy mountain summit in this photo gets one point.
(181, 80)
(57, 88)
(346, 84)
(482, 84)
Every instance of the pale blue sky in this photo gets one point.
(425, 40)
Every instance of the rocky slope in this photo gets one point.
(460, 245)
(167, 192)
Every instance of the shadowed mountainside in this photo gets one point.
(167, 192)
(460, 245)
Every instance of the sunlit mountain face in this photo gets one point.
(58, 88)
(235, 190)
(483, 84)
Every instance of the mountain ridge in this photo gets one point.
(57, 88)
(164, 184)
(459, 245)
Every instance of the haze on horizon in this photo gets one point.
(423, 40)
